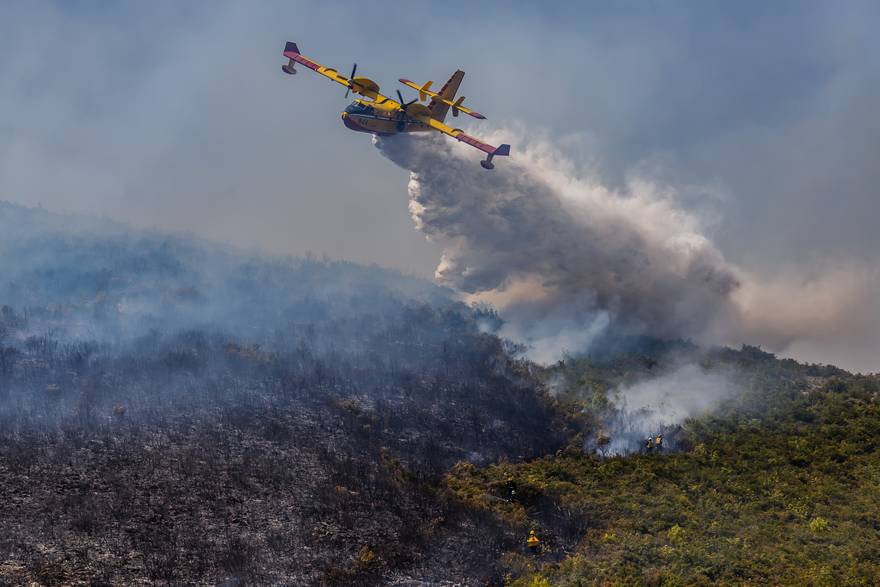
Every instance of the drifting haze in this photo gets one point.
(762, 115)
(79, 279)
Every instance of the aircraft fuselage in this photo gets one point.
(374, 119)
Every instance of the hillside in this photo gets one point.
(778, 486)
(174, 411)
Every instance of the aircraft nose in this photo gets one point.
(350, 123)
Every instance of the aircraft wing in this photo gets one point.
(359, 85)
(460, 135)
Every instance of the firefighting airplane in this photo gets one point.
(383, 116)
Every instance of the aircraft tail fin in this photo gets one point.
(439, 109)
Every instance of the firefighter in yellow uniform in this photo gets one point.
(532, 541)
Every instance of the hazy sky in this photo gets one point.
(177, 115)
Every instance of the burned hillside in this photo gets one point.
(173, 411)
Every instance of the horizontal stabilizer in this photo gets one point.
(424, 91)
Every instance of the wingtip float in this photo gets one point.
(381, 115)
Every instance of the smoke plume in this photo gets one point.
(659, 404)
(565, 258)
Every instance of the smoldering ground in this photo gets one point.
(659, 404)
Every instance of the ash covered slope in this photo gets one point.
(119, 283)
(174, 411)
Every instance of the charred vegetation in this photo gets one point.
(175, 412)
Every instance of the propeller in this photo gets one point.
(354, 69)
(401, 117)
(404, 105)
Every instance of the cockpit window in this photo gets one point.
(358, 108)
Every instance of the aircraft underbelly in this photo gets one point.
(380, 126)
(370, 124)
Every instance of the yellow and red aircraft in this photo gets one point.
(381, 115)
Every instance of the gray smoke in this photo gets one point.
(563, 256)
(659, 404)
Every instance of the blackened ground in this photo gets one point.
(192, 458)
